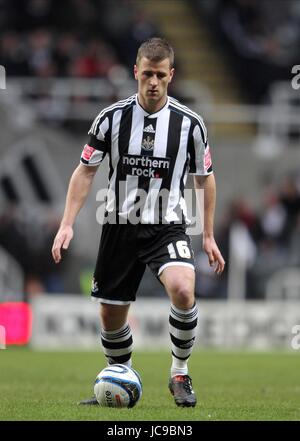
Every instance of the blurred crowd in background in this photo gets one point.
(28, 238)
(262, 37)
(273, 239)
(91, 38)
(77, 38)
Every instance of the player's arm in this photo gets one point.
(208, 184)
(79, 187)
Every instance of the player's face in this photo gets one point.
(153, 80)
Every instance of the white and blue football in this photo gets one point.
(118, 386)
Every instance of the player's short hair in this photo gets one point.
(156, 49)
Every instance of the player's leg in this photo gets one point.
(116, 338)
(170, 256)
(116, 335)
(116, 280)
(179, 282)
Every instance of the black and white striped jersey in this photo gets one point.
(150, 156)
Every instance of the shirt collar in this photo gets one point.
(151, 115)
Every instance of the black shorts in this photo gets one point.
(124, 252)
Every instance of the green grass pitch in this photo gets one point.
(229, 386)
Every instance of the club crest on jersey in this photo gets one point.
(94, 286)
(148, 143)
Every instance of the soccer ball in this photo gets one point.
(118, 386)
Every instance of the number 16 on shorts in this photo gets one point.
(179, 249)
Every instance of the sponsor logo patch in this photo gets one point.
(145, 166)
(207, 158)
(87, 152)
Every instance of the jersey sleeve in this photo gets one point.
(199, 151)
(96, 147)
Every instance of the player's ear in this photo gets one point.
(172, 71)
(135, 71)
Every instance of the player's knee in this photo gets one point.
(182, 296)
(112, 317)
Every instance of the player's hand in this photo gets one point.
(61, 241)
(214, 255)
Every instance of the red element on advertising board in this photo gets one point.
(207, 158)
(87, 152)
(16, 318)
